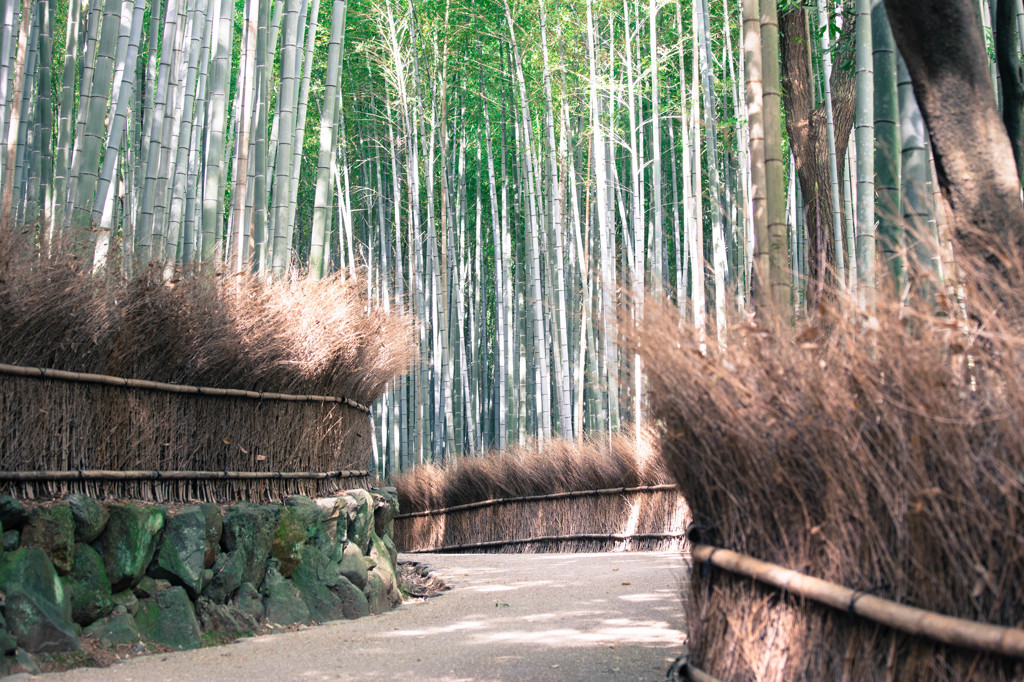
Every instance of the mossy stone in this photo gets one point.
(88, 586)
(12, 513)
(385, 509)
(37, 609)
(282, 603)
(214, 529)
(353, 565)
(289, 540)
(169, 619)
(127, 599)
(360, 518)
(250, 529)
(248, 601)
(181, 558)
(224, 618)
(308, 511)
(227, 576)
(90, 517)
(129, 541)
(385, 568)
(353, 601)
(377, 594)
(52, 529)
(313, 578)
(119, 628)
(11, 540)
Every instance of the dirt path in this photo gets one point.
(508, 617)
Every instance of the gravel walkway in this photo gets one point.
(509, 617)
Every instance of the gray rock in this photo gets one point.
(119, 628)
(52, 529)
(353, 601)
(129, 541)
(126, 599)
(353, 565)
(182, 555)
(224, 618)
(251, 529)
(37, 609)
(169, 619)
(332, 510)
(377, 595)
(332, 549)
(384, 510)
(248, 601)
(313, 578)
(90, 517)
(12, 540)
(360, 518)
(12, 513)
(385, 568)
(282, 603)
(227, 576)
(88, 587)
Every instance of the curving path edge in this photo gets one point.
(508, 617)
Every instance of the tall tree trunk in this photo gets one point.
(944, 49)
(808, 140)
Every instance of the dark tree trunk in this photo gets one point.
(808, 139)
(1011, 75)
(942, 44)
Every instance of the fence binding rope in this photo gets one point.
(206, 391)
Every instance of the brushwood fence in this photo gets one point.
(649, 517)
(109, 436)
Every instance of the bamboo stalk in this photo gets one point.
(531, 498)
(960, 632)
(106, 380)
(144, 475)
(548, 538)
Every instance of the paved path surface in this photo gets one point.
(509, 617)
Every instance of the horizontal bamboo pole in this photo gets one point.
(147, 475)
(106, 380)
(997, 639)
(547, 538)
(531, 498)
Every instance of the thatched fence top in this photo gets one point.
(195, 388)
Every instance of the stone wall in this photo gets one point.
(135, 575)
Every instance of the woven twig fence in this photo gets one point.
(629, 518)
(58, 425)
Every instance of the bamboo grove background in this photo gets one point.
(508, 173)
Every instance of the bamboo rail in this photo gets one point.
(532, 498)
(997, 639)
(548, 538)
(106, 380)
(147, 475)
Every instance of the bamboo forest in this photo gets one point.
(518, 176)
